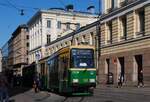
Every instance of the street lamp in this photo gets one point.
(37, 55)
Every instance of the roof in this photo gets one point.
(62, 12)
(15, 33)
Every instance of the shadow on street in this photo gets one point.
(17, 90)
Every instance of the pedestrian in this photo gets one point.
(120, 80)
(36, 83)
(140, 79)
(3, 89)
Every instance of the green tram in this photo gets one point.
(71, 70)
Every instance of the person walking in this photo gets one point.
(120, 80)
(36, 83)
(140, 79)
(3, 89)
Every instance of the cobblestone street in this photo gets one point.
(102, 94)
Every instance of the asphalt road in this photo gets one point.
(101, 94)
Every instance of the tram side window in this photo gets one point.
(51, 66)
(56, 65)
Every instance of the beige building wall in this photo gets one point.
(19, 48)
(88, 35)
(135, 44)
(39, 32)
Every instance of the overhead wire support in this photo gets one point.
(20, 8)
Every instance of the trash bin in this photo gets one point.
(110, 79)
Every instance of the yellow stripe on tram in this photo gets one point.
(83, 69)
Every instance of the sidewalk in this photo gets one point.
(123, 86)
(17, 90)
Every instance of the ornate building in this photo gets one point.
(18, 49)
(48, 25)
(125, 40)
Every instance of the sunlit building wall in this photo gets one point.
(48, 25)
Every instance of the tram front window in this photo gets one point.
(82, 58)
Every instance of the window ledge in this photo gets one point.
(140, 33)
(109, 41)
(123, 37)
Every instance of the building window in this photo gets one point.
(107, 66)
(123, 27)
(140, 20)
(27, 44)
(48, 39)
(68, 26)
(110, 5)
(77, 41)
(113, 3)
(48, 23)
(78, 26)
(91, 38)
(27, 36)
(109, 32)
(59, 24)
(83, 38)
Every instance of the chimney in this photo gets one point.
(69, 7)
(91, 9)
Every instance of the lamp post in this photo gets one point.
(37, 55)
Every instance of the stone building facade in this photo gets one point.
(18, 47)
(4, 50)
(48, 25)
(125, 41)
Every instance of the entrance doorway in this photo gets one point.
(138, 66)
(121, 67)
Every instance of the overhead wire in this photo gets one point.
(12, 5)
(62, 3)
(5, 5)
(19, 8)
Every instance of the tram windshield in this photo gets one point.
(82, 58)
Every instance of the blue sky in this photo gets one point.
(10, 16)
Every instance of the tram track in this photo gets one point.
(73, 99)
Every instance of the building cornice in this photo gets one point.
(69, 13)
(61, 12)
(18, 30)
(123, 10)
(126, 42)
(35, 49)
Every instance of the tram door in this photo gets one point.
(63, 65)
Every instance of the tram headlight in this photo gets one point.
(91, 73)
(75, 80)
(92, 80)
